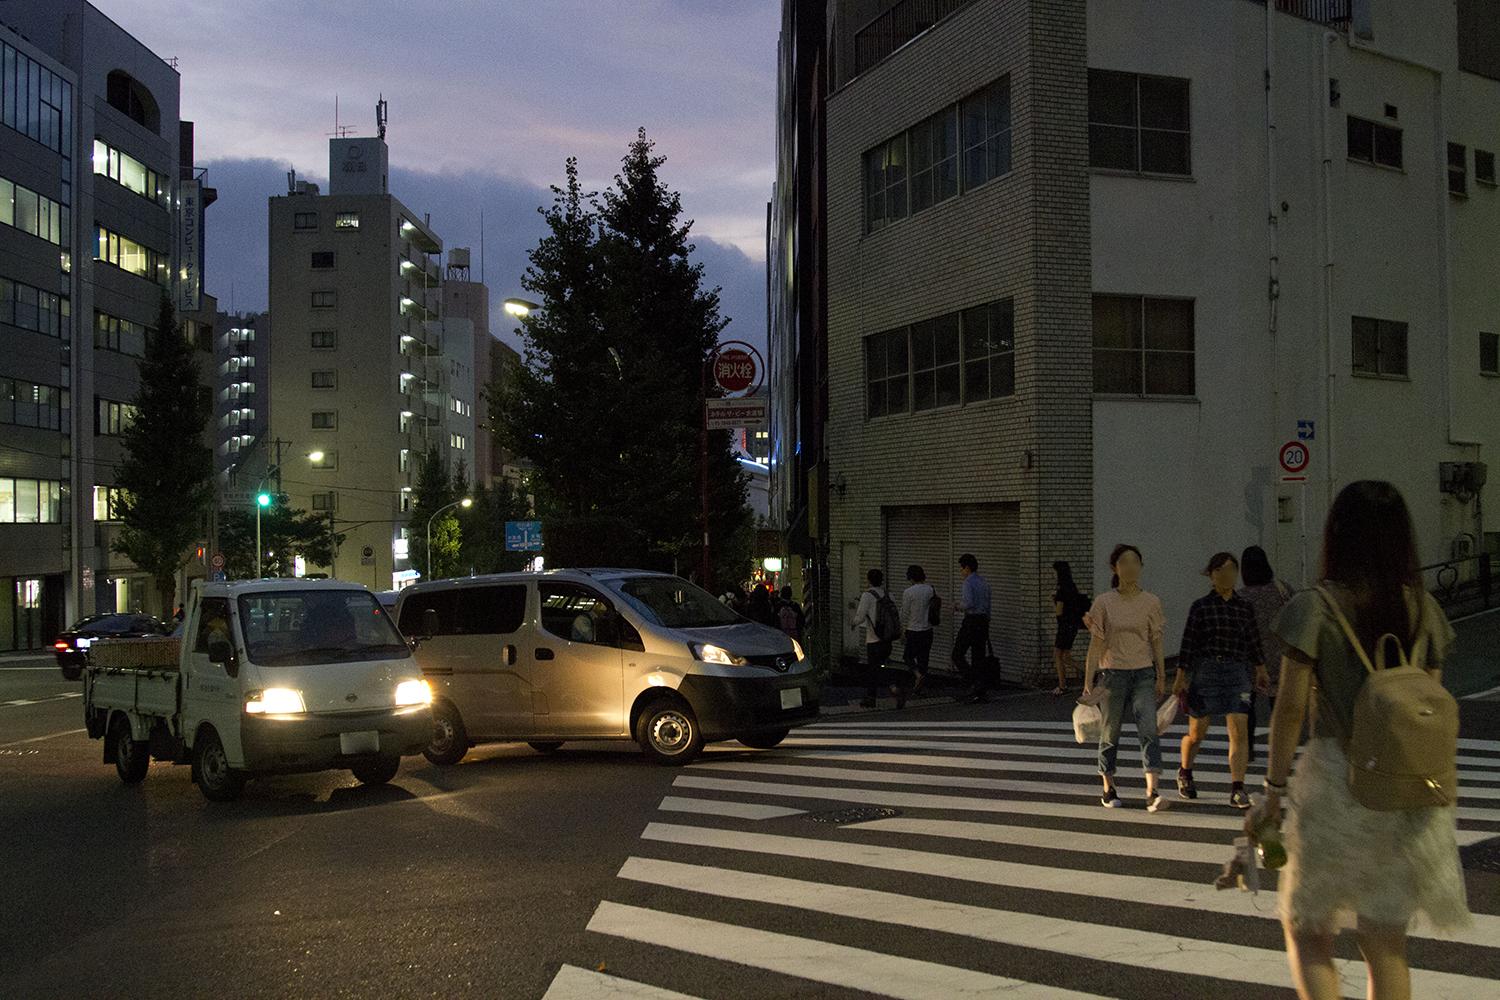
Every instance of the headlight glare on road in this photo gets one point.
(797, 648)
(274, 701)
(709, 653)
(413, 693)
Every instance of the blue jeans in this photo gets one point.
(1138, 689)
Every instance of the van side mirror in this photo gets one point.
(430, 623)
(222, 653)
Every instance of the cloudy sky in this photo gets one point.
(487, 98)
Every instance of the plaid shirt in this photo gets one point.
(1219, 628)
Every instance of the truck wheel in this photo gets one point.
(765, 741)
(131, 758)
(450, 741)
(71, 671)
(668, 732)
(216, 779)
(376, 772)
(546, 746)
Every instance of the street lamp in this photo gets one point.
(465, 503)
(521, 307)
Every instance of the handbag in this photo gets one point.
(1087, 716)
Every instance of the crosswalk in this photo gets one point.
(964, 859)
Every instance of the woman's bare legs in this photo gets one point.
(1311, 958)
(1384, 949)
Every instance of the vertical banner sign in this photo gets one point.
(189, 245)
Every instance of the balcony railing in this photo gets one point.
(1464, 585)
(1334, 13)
(897, 26)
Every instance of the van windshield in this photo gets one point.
(674, 603)
(300, 627)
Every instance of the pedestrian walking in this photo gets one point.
(920, 611)
(876, 614)
(1125, 652)
(1267, 595)
(789, 615)
(759, 608)
(971, 656)
(1069, 605)
(1371, 850)
(1219, 666)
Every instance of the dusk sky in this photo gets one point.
(487, 98)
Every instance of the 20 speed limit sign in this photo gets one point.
(1294, 457)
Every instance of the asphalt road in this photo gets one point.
(521, 875)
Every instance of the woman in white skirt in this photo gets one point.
(1350, 867)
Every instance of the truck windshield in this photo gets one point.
(299, 627)
(674, 603)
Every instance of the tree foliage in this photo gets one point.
(482, 545)
(433, 491)
(166, 476)
(285, 534)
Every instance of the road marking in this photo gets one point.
(721, 807)
(49, 736)
(1485, 930)
(573, 983)
(1106, 943)
(820, 962)
(18, 701)
(22, 702)
(1059, 840)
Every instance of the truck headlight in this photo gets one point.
(709, 653)
(274, 701)
(797, 648)
(413, 693)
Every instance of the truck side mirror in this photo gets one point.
(430, 622)
(222, 653)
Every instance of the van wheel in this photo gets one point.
(668, 732)
(450, 741)
(376, 772)
(546, 746)
(131, 758)
(216, 779)
(765, 741)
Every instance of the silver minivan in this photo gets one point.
(544, 658)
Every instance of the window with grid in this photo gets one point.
(111, 417)
(1489, 353)
(1139, 123)
(346, 220)
(1458, 174)
(986, 133)
(934, 159)
(325, 420)
(885, 183)
(325, 340)
(1143, 346)
(324, 380)
(887, 366)
(1484, 167)
(989, 351)
(327, 460)
(324, 299)
(305, 220)
(1372, 142)
(936, 372)
(1379, 347)
(324, 502)
(322, 260)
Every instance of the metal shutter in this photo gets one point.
(992, 532)
(921, 536)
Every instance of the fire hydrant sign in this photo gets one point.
(734, 370)
(738, 371)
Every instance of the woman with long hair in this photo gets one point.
(1350, 866)
(1125, 650)
(1267, 595)
(1068, 607)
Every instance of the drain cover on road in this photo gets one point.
(858, 814)
(1483, 856)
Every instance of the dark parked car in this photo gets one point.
(72, 646)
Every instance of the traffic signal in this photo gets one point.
(264, 499)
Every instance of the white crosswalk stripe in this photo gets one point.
(996, 839)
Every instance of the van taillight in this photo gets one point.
(59, 644)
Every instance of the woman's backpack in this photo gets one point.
(935, 610)
(1403, 744)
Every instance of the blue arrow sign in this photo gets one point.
(523, 536)
(1306, 431)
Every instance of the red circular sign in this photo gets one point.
(1294, 456)
(734, 370)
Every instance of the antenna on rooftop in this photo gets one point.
(380, 116)
(340, 131)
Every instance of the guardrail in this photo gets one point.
(1462, 586)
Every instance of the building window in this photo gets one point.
(1458, 173)
(405, 459)
(33, 309)
(27, 404)
(107, 503)
(111, 333)
(885, 183)
(34, 214)
(325, 502)
(1489, 353)
(1139, 123)
(322, 260)
(324, 380)
(30, 501)
(1143, 346)
(934, 159)
(128, 255)
(935, 364)
(1379, 347)
(456, 442)
(328, 460)
(324, 300)
(112, 418)
(325, 340)
(901, 23)
(989, 348)
(304, 220)
(986, 133)
(346, 220)
(325, 420)
(887, 368)
(1484, 167)
(1372, 142)
(36, 102)
(130, 173)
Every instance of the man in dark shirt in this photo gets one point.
(1220, 649)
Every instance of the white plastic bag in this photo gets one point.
(1166, 713)
(1087, 717)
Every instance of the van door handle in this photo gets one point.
(543, 653)
(508, 654)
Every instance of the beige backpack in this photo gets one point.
(1403, 745)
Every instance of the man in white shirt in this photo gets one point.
(917, 611)
(877, 650)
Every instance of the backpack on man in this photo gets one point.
(1403, 744)
(935, 610)
(887, 621)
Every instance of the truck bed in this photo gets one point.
(143, 690)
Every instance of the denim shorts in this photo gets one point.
(1219, 687)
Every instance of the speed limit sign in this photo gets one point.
(1294, 458)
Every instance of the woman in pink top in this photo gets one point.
(1125, 646)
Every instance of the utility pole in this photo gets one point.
(703, 568)
(333, 548)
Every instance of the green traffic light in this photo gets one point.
(264, 499)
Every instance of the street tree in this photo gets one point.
(434, 491)
(166, 475)
(285, 534)
(483, 525)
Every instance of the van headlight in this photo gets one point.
(709, 653)
(275, 701)
(413, 693)
(797, 648)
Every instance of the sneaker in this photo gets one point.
(1110, 799)
(1239, 799)
(1155, 803)
(1186, 787)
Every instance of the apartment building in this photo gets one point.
(1169, 273)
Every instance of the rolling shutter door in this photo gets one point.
(992, 532)
(920, 536)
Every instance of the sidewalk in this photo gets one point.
(30, 658)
